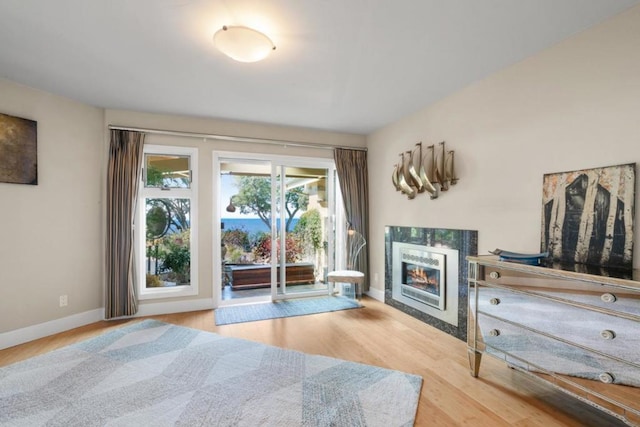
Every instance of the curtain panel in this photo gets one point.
(351, 167)
(123, 178)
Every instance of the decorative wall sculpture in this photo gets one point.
(430, 170)
(18, 150)
(587, 216)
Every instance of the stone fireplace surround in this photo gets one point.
(464, 241)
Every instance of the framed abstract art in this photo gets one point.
(18, 150)
(588, 215)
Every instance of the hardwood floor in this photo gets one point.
(381, 335)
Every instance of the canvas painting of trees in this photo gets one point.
(587, 216)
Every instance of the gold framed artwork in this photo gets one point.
(18, 150)
(588, 215)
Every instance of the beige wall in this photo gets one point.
(50, 243)
(573, 106)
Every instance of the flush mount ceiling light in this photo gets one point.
(243, 44)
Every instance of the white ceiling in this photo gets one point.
(342, 65)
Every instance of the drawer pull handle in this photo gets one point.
(608, 297)
(608, 334)
(494, 275)
(494, 301)
(606, 377)
(494, 332)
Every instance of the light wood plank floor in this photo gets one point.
(383, 336)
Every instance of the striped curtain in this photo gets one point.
(123, 177)
(351, 167)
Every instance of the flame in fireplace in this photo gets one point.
(419, 276)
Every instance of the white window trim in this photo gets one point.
(145, 293)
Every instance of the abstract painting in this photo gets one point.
(587, 216)
(18, 150)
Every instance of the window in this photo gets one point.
(166, 171)
(167, 223)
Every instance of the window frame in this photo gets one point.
(190, 193)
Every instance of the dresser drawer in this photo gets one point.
(517, 345)
(582, 329)
(593, 294)
(611, 335)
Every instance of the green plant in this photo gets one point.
(176, 255)
(154, 176)
(154, 248)
(234, 254)
(293, 248)
(309, 229)
(177, 259)
(236, 237)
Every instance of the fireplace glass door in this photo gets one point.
(423, 276)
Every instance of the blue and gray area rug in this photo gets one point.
(286, 308)
(156, 374)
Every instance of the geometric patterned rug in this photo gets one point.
(284, 308)
(156, 374)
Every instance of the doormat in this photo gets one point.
(287, 308)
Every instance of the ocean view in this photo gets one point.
(250, 225)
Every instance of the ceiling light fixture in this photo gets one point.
(243, 44)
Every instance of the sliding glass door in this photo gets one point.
(276, 217)
(302, 228)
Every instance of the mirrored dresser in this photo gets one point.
(578, 331)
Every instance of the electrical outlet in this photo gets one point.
(64, 300)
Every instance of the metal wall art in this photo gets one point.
(419, 171)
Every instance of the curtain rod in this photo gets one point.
(237, 138)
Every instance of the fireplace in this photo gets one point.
(425, 274)
(426, 279)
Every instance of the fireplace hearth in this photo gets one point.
(425, 274)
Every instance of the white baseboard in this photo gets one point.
(376, 294)
(157, 308)
(30, 333)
